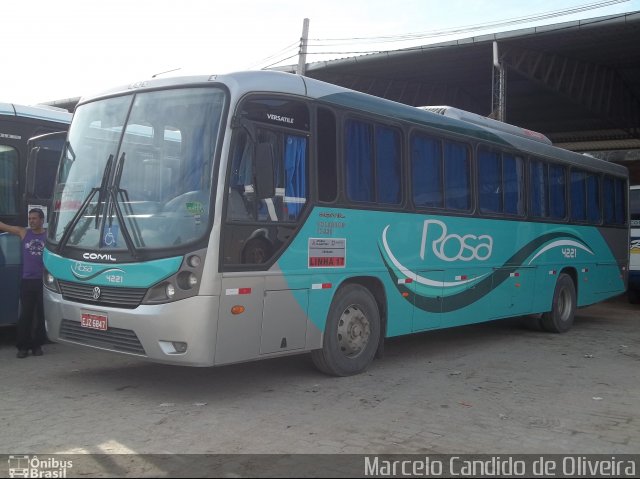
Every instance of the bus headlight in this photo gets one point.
(194, 261)
(187, 280)
(50, 282)
(183, 284)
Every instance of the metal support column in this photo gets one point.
(499, 87)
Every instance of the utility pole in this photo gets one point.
(498, 87)
(302, 53)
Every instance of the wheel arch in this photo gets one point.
(573, 274)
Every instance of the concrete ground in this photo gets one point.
(495, 388)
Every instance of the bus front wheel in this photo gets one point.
(351, 333)
(563, 307)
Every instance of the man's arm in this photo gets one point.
(14, 230)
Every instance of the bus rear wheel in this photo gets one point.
(351, 333)
(563, 307)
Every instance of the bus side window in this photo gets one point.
(614, 200)
(490, 182)
(426, 165)
(457, 176)
(372, 160)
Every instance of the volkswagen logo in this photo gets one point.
(96, 293)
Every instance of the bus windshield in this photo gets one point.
(136, 172)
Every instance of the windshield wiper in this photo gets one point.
(115, 206)
(103, 187)
(76, 217)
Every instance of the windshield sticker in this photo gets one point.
(327, 252)
(195, 207)
(110, 237)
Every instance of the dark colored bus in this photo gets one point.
(24, 130)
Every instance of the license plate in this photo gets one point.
(94, 321)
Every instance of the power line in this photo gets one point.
(280, 52)
(428, 34)
(467, 28)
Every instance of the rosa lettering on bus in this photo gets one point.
(94, 321)
(327, 252)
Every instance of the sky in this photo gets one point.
(53, 50)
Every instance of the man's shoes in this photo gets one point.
(23, 353)
(37, 351)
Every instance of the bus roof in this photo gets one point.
(443, 118)
(38, 112)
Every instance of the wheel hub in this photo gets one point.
(353, 331)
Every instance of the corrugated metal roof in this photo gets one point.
(580, 76)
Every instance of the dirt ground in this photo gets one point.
(495, 388)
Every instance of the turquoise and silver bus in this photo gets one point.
(213, 220)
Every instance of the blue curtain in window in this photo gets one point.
(578, 198)
(426, 172)
(359, 155)
(557, 187)
(538, 189)
(388, 165)
(593, 199)
(513, 185)
(489, 179)
(295, 161)
(456, 176)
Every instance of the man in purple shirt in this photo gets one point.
(30, 336)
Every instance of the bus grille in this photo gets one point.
(128, 298)
(114, 339)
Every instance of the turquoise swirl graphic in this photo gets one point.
(485, 284)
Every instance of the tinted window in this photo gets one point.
(547, 190)
(456, 176)
(613, 193)
(9, 180)
(500, 183)
(578, 196)
(426, 164)
(372, 156)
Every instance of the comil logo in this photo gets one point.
(98, 256)
(454, 247)
(26, 466)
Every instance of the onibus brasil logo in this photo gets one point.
(34, 466)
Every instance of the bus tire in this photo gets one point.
(633, 296)
(351, 333)
(563, 307)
